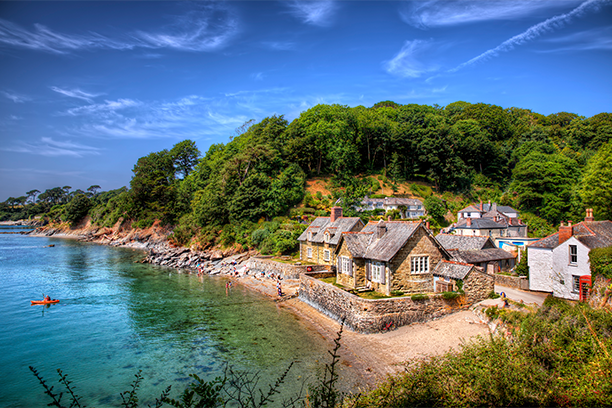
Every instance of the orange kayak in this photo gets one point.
(44, 302)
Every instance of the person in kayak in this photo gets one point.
(47, 298)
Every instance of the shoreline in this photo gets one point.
(365, 359)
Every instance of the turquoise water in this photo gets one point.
(117, 317)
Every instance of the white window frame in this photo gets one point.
(377, 269)
(419, 264)
(573, 254)
(326, 254)
(575, 284)
(346, 265)
(309, 252)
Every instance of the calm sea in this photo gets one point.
(117, 317)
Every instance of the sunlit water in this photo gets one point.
(117, 317)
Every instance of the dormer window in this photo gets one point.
(310, 235)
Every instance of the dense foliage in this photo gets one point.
(600, 260)
(549, 167)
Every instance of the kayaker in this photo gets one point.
(47, 298)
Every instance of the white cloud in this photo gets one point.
(107, 106)
(594, 39)
(436, 13)
(207, 27)
(75, 93)
(257, 76)
(407, 63)
(16, 97)
(279, 45)
(318, 13)
(533, 32)
(53, 148)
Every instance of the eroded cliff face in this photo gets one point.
(154, 240)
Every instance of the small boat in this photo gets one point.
(44, 302)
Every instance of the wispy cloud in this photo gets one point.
(53, 148)
(594, 39)
(16, 97)
(107, 106)
(208, 27)
(75, 93)
(436, 13)
(257, 76)
(279, 45)
(407, 63)
(318, 13)
(533, 32)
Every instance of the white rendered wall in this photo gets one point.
(540, 261)
(564, 271)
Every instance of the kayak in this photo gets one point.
(44, 302)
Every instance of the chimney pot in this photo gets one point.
(381, 228)
(589, 215)
(469, 222)
(480, 205)
(427, 224)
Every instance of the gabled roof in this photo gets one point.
(501, 208)
(592, 234)
(464, 242)
(367, 245)
(480, 223)
(470, 208)
(320, 225)
(483, 255)
(452, 269)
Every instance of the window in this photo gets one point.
(309, 252)
(468, 214)
(310, 235)
(573, 254)
(419, 264)
(378, 272)
(346, 265)
(575, 284)
(326, 255)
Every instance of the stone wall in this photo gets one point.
(287, 271)
(477, 286)
(372, 315)
(517, 282)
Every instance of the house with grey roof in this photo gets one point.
(318, 242)
(401, 256)
(559, 263)
(489, 220)
(479, 251)
(408, 207)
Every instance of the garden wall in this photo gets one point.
(287, 271)
(517, 282)
(372, 315)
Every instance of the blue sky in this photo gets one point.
(86, 88)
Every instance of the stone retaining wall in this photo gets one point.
(372, 315)
(287, 271)
(517, 282)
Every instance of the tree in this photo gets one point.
(185, 156)
(94, 189)
(32, 195)
(152, 184)
(77, 208)
(435, 207)
(596, 184)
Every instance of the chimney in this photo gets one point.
(336, 212)
(427, 224)
(494, 206)
(480, 205)
(381, 228)
(565, 232)
(589, 215)
(469, 222)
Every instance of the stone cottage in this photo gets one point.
(479, 251)
(319, 241)
(398, 256)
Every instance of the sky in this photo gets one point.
(86, 88)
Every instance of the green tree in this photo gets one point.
(185, 156)
(435, 207)
(77, 208)
(152, 187)
(596, 183)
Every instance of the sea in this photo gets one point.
(117, 318)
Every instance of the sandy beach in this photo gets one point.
(367, 359)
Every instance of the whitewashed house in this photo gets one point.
(408, 207)
(558, 262)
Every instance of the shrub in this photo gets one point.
(601, 262)
(450, 295)
(419, 296)
(397, 293)
(493, 295)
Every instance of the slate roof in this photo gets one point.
(392, 201)
(483, 255)
(592, 234)
(365, 244)
(464, 243)
(320, 225)
(453, 270)
(480, 223)
(488, 207)
(470, 208)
